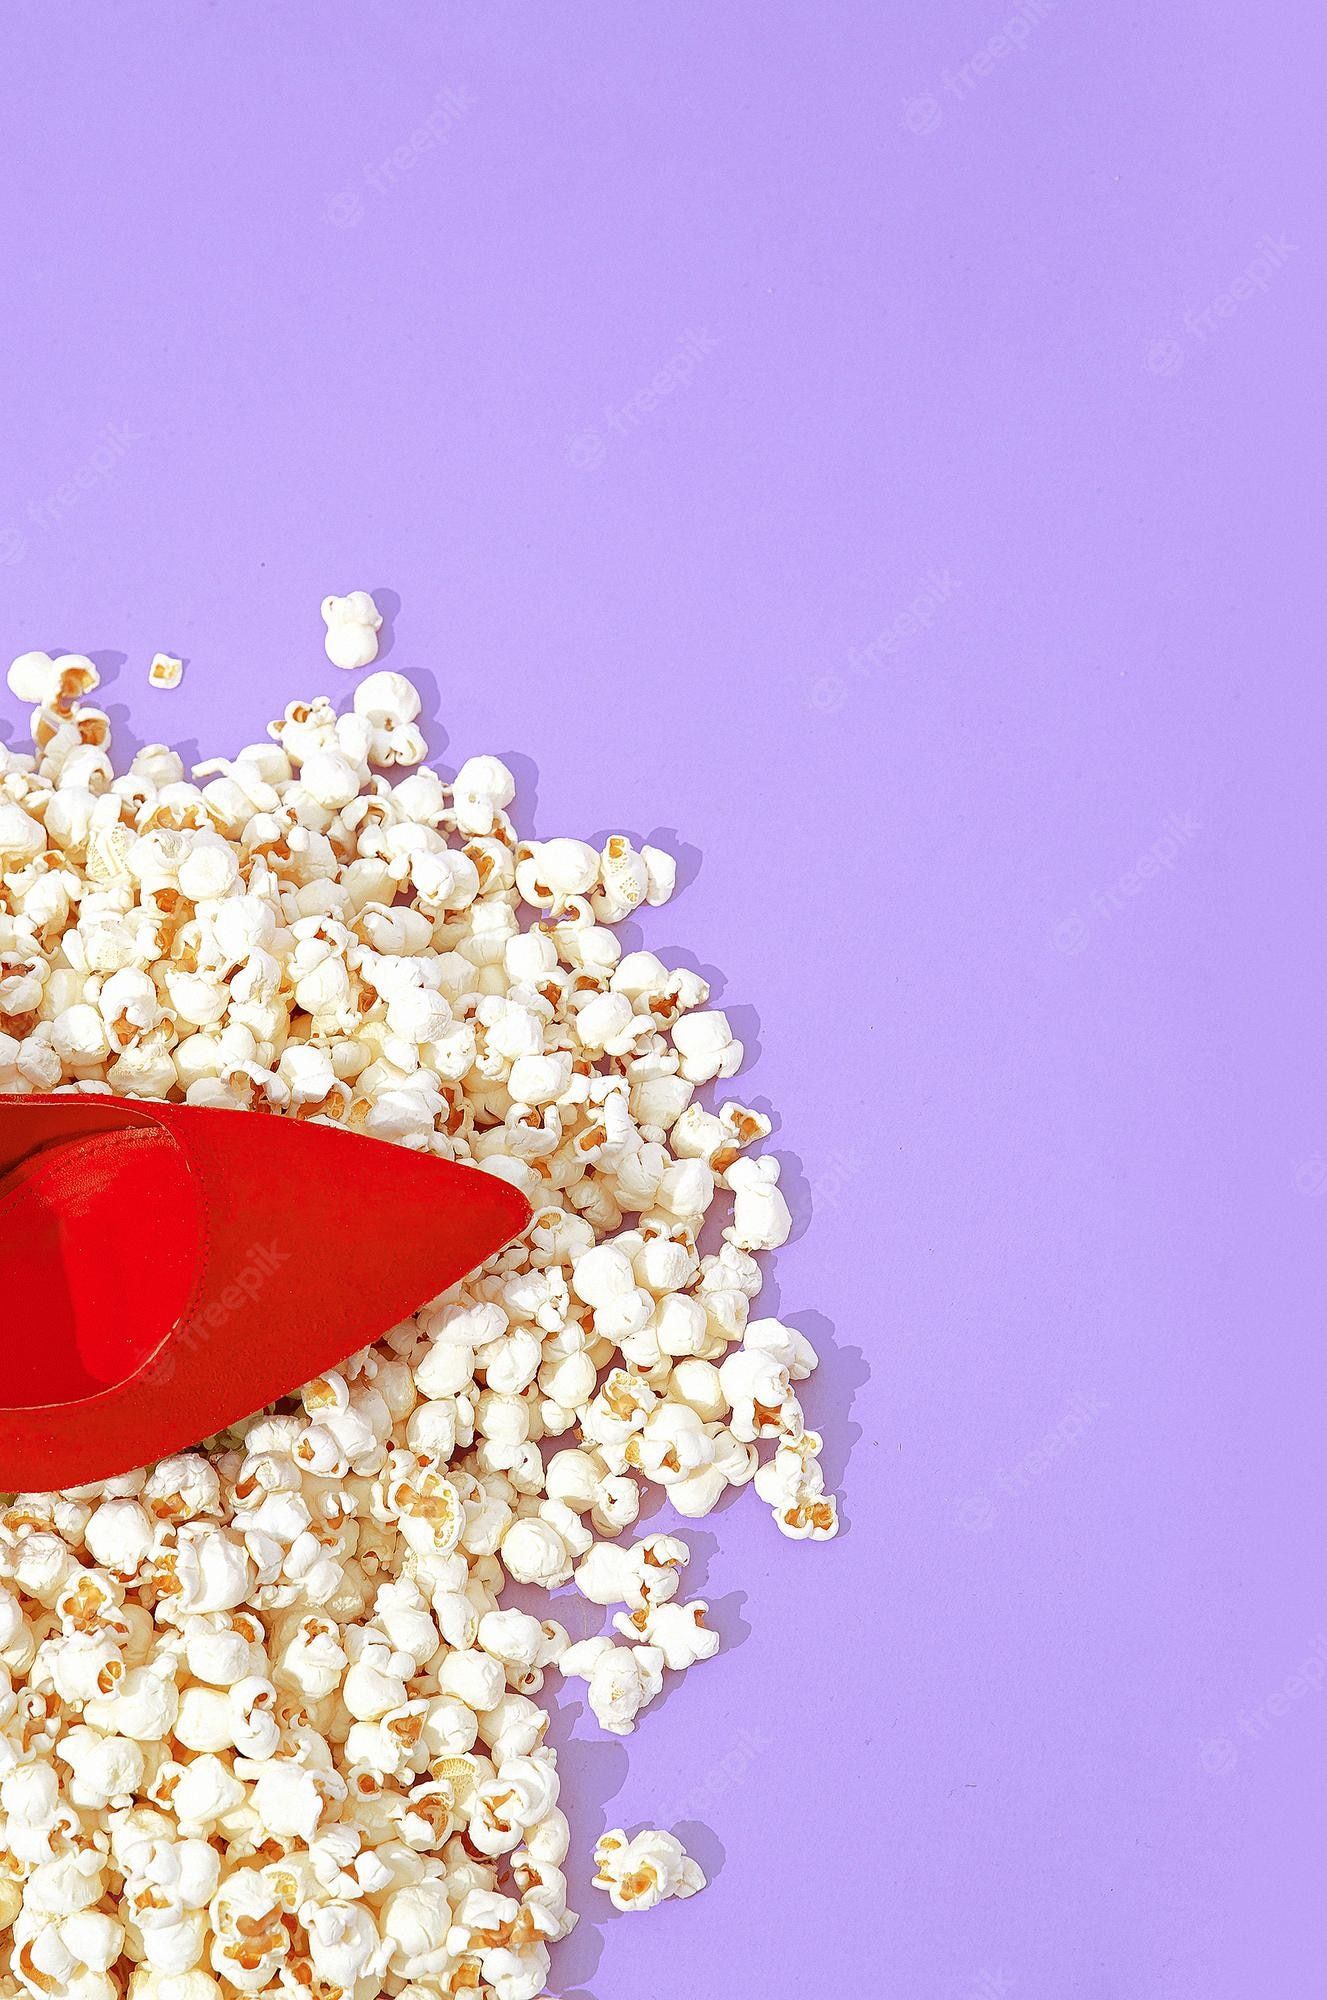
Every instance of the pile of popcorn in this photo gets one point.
(266, 1722)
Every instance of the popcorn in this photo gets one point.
(678, 1631)
(353, 624)
(143, 1706)
(390, 704)
(56, 685)
(344, 1944)
(761, 1217)
(706, 1047)
(794, 1486)
(165, 671)
(639, 1874)
(266, 1715)
(622, 1680)
(484, 787)
(638, 1575)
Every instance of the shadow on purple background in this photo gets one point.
(969, 550)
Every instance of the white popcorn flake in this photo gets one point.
(267, 1711)
(678, 1631)
(643, 1872)
(165, 671)
(622, 1680)
(353, 623)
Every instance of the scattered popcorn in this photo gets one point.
(267, 1715)
(761, 1218)
(353, 624)
(53, 685)
(641, 1873)
(678, 1631)
(622, 1679)
(165, 671)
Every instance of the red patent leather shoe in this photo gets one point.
(167, 1269)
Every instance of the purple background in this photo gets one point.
(1049, 1076)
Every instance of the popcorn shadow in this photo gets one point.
(796, 1188)
(725, 1618)
(654, 1502)
(745, 1023)
(389, 604)
(526, 773)
(687, 857)
(676, 955)
(109, 666)
(125, 740)
(703, 1844)
(703, 1549)
(593, 1771)
(833, 1389)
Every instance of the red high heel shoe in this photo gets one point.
(167, 1269)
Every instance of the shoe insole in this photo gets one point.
(95, 1268)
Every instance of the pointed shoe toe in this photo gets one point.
(168, 1269)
